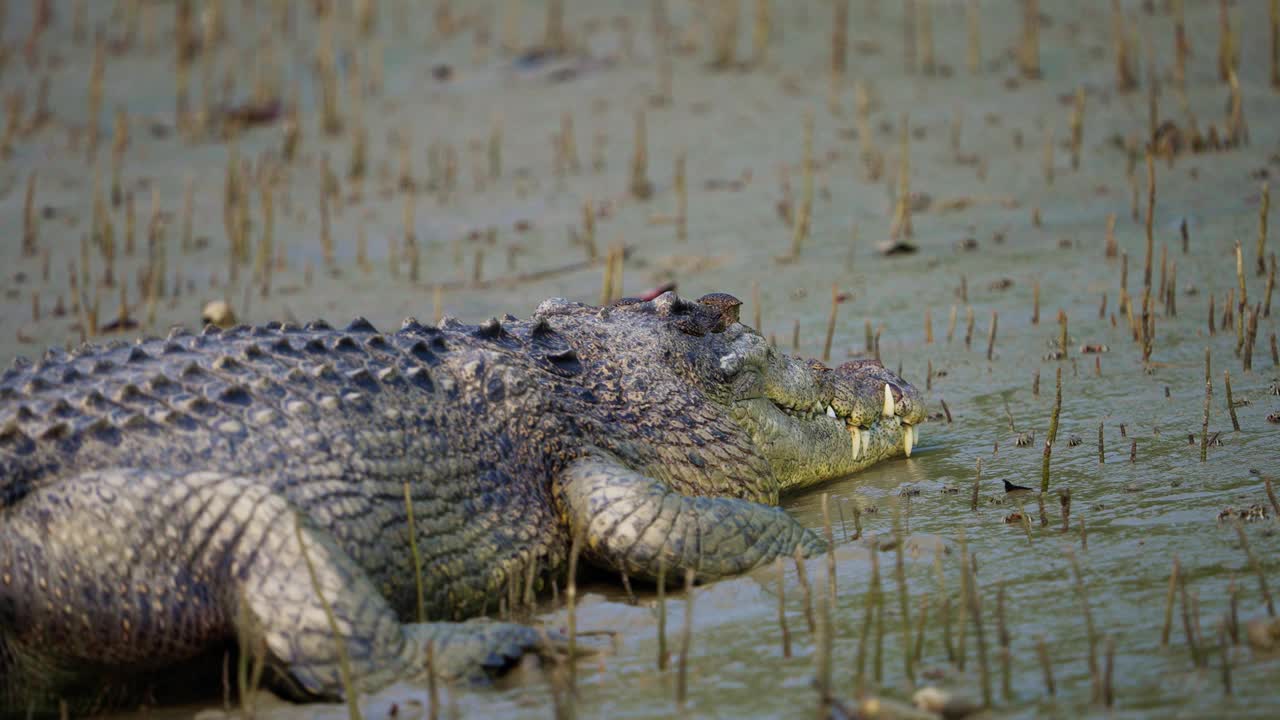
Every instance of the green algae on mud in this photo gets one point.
(495, 232)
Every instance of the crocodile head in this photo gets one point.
(807, 422)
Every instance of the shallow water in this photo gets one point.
(738, 125)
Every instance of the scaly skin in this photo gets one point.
(153, 496)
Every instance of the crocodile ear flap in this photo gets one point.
(724, 307)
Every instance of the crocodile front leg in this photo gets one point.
(109, 575)
(633, 523)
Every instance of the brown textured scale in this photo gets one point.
(156, 498)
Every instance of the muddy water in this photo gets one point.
(742, 132)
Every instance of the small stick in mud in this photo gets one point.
(806, 590)
(1133, 452)
(1047, 160)
(413, 553)
(1231, 406)
(1187, 628)
(831, 550)
(839, 40)
(951, 325)
(682, 199)
(433, 689)
(1208, 397)
(554, 39)
(782, 610)
(1057, 409)
(761, 25)
(977, 478)
(900, 574)
(641, 188)
(928, 61)
(1002, 633)
(1112, 247)
(928, 327)
(822, 656)
(1167, 628)
(571, 602)
(1271, 286)
(1064, 502)
(686, 638)
(1108, 688)
(878, 659)
(1250, 336)
(1225, 649)
(1024, 520)
(1151, 210)
(975, 611)
(1257, 569)
(495, 148)
(968, 331)
(869, 605)
(1263, 210)
(921, 624)
(901, 226)
(589, 231)
(1233, 614)
(1228, 53)
(1102, 454)
(1271, 495)
(1125, 78)
(831, 322)
(1044, 469)
(991, 334)
(1274, 22)
(30, 223)
(1046, 665)
(965, 596)
(973, 45)
(909, 36)
(724, 33)
(946, 411)
(1064, 338)
(1035, 383)
(1035, 303)
(626, 585)
(1082, 594)
(755, 304)
(1077, 129)
(1029, 47)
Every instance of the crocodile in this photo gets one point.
(353, 501)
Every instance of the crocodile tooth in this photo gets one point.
(855, 438)
(907, 439)
(831, 412)
(888, 401)
(915, 434)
